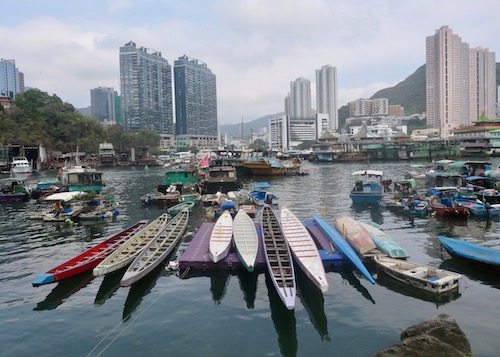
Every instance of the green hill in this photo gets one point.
(234, 130)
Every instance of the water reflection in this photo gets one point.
(110, 284)
(284, 321)
(411, 291)
(248, 285)
(218, 284)
(484, 276)
(64, 290)
(348, 277)
(139, 290)
(374, 210)
(312, 299)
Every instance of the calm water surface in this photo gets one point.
(223, 314)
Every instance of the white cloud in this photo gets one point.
(255, 47)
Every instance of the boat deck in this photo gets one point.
(196, 256)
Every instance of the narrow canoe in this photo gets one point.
(418, 275)
(354, 234)
(181, 206)
(342, 246)
(246, 239)
(303, 248)
(383, 242)
(126, 253)
(221, 236)
(157, 249)
(484, 257)
(278, 257)
(90, 258)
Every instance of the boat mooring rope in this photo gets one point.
(122, 331)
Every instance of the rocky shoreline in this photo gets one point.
(440, 336)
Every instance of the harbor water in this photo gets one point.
(225, 313)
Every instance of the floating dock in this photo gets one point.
(196, 256)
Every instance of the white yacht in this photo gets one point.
(20, 165)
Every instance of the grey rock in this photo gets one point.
(440, 336)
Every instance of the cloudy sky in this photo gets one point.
(254, 47)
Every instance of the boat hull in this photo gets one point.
(340, 243)
(483, 257)
(278, 258)
(383, 242)
(246, 239)
(90, 258)
(157, 250)
(221, 237)
(127, 252)
(355, 234)
(420, 276)
(303, 249)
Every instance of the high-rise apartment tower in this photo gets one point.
(326, 94)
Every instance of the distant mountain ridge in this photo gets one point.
(234, 130)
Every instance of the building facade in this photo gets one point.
(369, 107)
(278, 133)
(460, 82)
(195, 98)
(102, 104)
(11, 80)
(298, 102)
(146, 90)
(326, 94)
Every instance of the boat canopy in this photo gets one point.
(64, 196)
(261, 185)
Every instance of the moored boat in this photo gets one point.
(303, 248)
(246, 239)
(475, 254)
(278, 257)
(174, 210)
(127, 252)
(221, 237)
(90, 258)
(157, 249)
(342, 246)
(367, 187)
(20, 165)
(13, 190)
(354, 234)
(418, 275)
(383, 242)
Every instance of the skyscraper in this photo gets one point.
(11, 80)
(195, 98)
(460, 82)
(299, 101)
(102, 104)
(326, 94)
(146, 90)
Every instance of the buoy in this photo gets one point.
(68, 221)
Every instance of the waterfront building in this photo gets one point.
(460, 82)
(102, 104)
(326, 94)
(195, 98)
(11, 80)
(298, 102)
(202, 142)
(146, 90)
(475, 139)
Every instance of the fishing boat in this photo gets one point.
(383, 242)
(98, 208)
(278, 257)
(367, 187)
(79, 178)
(127, 252)
(221, 237)
(174, 210)
(246, 239)
(303, 248)
(418, 275)
(90, 258)
(260, 194)
(342, 246)
(478, 208)
(354, 233)
(13, 190)
(263, 166)
(59, 207)
(157, 250)
(475, 254)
